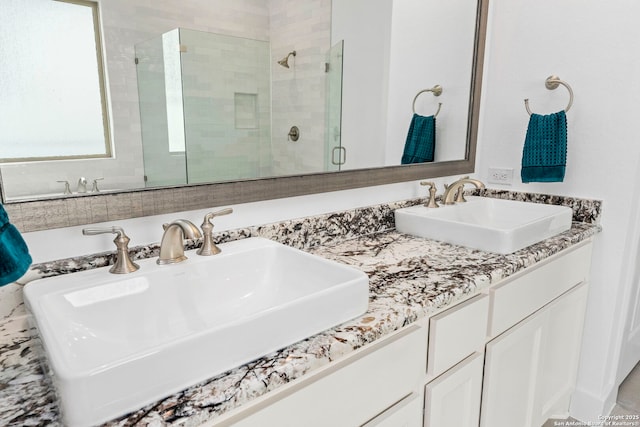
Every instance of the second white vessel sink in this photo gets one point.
(118, 342)
(493, 225)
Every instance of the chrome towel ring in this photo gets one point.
(436, 90)
(552, 83)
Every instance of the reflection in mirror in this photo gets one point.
(379, 86)
(207, 102)
(204, 107)
(405, 47)
(35, 104)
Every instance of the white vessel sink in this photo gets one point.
(118, 342)
(493, 225)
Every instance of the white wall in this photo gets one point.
(365, 78)
(594, 47)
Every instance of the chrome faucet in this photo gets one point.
(172, 244)
(82, 185)
(455, 191)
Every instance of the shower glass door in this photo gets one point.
(205, 107)
(162, 132)
(335, 152)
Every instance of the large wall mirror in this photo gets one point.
(242, 101)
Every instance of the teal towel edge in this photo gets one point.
(18, 273)
(532, 172)
(542, 174)
(14, 253)
(420, 142)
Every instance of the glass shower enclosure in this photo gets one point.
(206, 109)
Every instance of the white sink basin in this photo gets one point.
(118, 342)
(493, 225)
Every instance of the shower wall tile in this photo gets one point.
(216, 70)
(246, 110)
(299, 92)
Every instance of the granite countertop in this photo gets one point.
(410, 278)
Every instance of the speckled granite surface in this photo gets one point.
(409, 278)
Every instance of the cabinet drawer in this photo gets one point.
(350, 392)
(456, 333)
(516, 299)
(406, 413)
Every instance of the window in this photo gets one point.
(52, 90)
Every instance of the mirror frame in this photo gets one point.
(57, 212)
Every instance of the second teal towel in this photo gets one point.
(421, 140)
(544, 157)
(14, 254)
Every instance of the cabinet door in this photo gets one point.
(530, 371)
(512, 369)
(561, 352)
(453, 399)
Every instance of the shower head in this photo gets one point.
(285, 61)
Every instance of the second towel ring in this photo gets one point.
(552, 83)
(436, 90)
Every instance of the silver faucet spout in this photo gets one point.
(82, 185)
(172, 244)
(457, 189)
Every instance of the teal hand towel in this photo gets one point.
(14, 254)
(421, 140)
(544, 157)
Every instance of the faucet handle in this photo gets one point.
(123, 262)
(67, 188)
(431, 202)
(94, 187)
(208, 246)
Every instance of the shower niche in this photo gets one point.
(216, 108)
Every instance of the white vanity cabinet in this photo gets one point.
(361, 389)
(530, 370)
(532, 326)
(505, 357)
